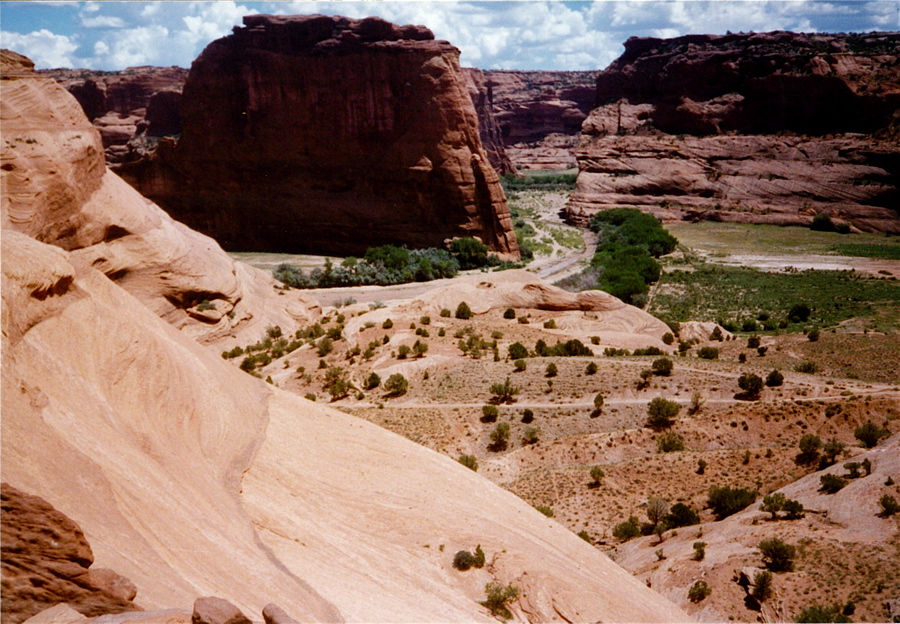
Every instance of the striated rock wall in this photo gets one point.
(540, 114)
(761, 128)
(481, 92)
(326, 134)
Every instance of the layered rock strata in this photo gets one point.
(760, 128)
(57, 189)
(481, 92)
(326, 134)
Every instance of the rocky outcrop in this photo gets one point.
(57, 189)
(540, 114)
(46, 561)
(760, 128)
(213, 610)
(131, 108)
(326, 134)
(482, 96)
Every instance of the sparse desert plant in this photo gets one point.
(629, 529)
(597, 475)
(817, 613)
(497, 599)
(799, 313)
(591, 368)
(372, 381)
(403, 351)
(445, 313)
(699, 551)
(806, 367)
(420, 348)
(388, 324)
(463, 311)
(852, 470)
(325, 346)
(716, 334)
(668, 338)
(517, 351)
(586, 537)
(645, 377)
(520, 365)
(531, 435)
(660, 413)
(809, 448)
(699, 591)
(831, 483)
(777, 555)
(551, 324)
(396, 385)
(509, 313)
(500, 437)
(726, 501)
(708, 353)
(775, 378)
(793, 509)
(479, 557)
(552, 370)
(870, 434)
(463, 560)
(544, 509)
(504, 392)
(762, 585)
(662, 366)
(813, 335)
(773, 503)
(753, 342)
(751, 384)
(669, 442)
(889, 506)
(696, 404)
(681, 515)
(831, 450)
(598, 401)
(489, 413)
(527, 416)
(701, 466)
(469, 461)
(657, 508)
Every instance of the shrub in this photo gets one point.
(445, 313)
(699, 551)
(699, 591)
(597, 475)
(372, 381)
(463, 560)
(799, 313)
(469, 252)
(420, 348)
(762, 585)
(598, 401)
(716, 334)
(551, 324)
(527, 416)
(532, 435)
(773, 503)
(591, 368)
(806, 367)
(586, 536)
(544, 509)
(813, 335)
(726, 501)
(498, 596)
(520, 365)
(749, 326)
(681, 515)
(660, 413)
(403, 351)
(817, 613)
(627, 530)
(742, 357)
(657, 508)
(870, 434)
(831, 483)
(509, 313)
(489, 413)
(504, 392)
(822, 223)
(775, 378)
(500, 437)
(469, 461)
(753, 342)
(517, 351)
(669, 442)
(552, 370)
(325, 346)
(809, 448)
(778, 556)
(662, 366)
(479, 557)
(889, 506)
(793, 509)
(751, 384)
(396, 385)
(463, 311)
(708, 353)
(831, 450)
(701, 466)
(668, 338)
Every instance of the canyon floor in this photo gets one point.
(556, 435)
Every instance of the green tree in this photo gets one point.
(463, 311)
(870, 434)
(598, 401)
(509, 313)
(469, 461)
(889, 506)
(463, 560)
(726, 501)
(699, 591)
(372, 381)
(597, 475)
(777, 556)
(699, 551)
(420, 348)
(627, 530)
(669, 442)
(817, 613)
(660, 413)
(774, 379)
(762, 586)
(662, 366)
(831, 450)
(552, 370)
(498, 597)
(517, 351)
(504, 392)
(500, 437)
(793, 509)
(657, 508)
(831, 483)
(773, 503)
(396, 385)
(489, 413)
(681, 515)
(751, 384)
(809, 448)
(469, 252)
(591, 368)
(520, 365)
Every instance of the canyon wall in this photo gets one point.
(328, 135)
(762, 128)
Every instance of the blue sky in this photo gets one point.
(534, 34)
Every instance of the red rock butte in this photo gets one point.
(331, 135)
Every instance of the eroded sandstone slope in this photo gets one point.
(57, 189)
(763, 128)
(326, 134)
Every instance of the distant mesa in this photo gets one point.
(328, 135)
(762, 128)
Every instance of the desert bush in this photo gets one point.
(499, 437)
(708, 353)
(726, 501)
(598, 401)
(517, 351)
(699, 591)
(817, 613)
(509, 313)
(701, 466)
(551, 324)
(463, 560)
(469, 252)
(396, 385)
(504, 392)
(777, 556)
(813, 335)
(420, 348)
(753, 342)
(681, 515)
(469, 461)
(751, 384)
(544, 509)
(388, 324)
(773, 503)
(597, 475)
(870, 434)
(463, 311)
(799, 313)
(762, 585)
(586, 536)
(831, 483)
(445, 313)
(668, 338)
(403, 351)
(591, 368)
(552, 370)
(372, 382)
(669, 442)
(498, 597)
(852, 470)
(793, 509)
(806, 367)
(489, 413)
(699, 551)
(627, 530)
(662, 366)
(531, 435)
(809, 448)
(775, 378)
(889, 506)
(325, 346)
(831, 450)
(660, 413)
(520, 365)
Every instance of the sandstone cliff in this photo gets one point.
(482, 96)
(540, 114)
(326, 134)
(763, 128)
(57, 189)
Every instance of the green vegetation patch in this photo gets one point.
(711, 293)
(545, 182)
(861, 250)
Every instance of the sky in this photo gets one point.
(524, 34)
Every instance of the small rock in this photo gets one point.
(273, 614)
(212, 610)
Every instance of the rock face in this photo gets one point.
(761, 128)
(46, 561)
(326, 134)
(540, 114)
(482, 96)
(57, 189)
(131, 108)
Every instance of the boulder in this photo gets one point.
(213, 610)
(328, 135)
(273, 614)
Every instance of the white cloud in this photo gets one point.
(90, 7)
(150, 9)
(46, 49)
(102, 21)
(133, 46)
